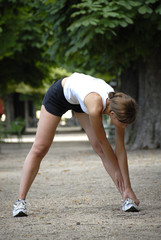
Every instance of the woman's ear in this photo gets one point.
(112, 114)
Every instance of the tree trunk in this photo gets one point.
(149, 119)
(9, 109)
(129, 85)
(26, 110)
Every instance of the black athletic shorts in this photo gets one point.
(55, 101)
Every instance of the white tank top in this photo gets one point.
(79, 85)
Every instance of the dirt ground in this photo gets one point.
(73, 198)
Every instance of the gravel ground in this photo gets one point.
(73, 198)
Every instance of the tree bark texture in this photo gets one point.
(149, 119)
(130, 86)
(145, 86)
(9, 108)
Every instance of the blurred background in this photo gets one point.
(42, 41)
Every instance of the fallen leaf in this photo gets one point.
(76, 201)
(66, 170)
(85, 199)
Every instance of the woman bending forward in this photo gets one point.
(89, 98)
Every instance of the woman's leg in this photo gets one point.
(45, 133)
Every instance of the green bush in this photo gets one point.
(17, 127)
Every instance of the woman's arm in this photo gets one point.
(123, 164)
(122, 155)
(94, 104)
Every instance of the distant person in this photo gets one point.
(89, 98)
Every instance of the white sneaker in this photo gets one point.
(19, 208)
(129, 206)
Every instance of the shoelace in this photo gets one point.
(21, 204)
(127, 201)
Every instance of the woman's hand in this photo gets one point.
(119, 182)
(128, 193)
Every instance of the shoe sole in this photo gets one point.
(21, 214)
(132, 209)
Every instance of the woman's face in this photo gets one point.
(115, 121)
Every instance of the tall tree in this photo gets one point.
(22, 44)
(22, 49)
(121, 37)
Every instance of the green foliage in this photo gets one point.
(16, 127)
(22, 44)
(94, 36)
(58, 73)
(102, 35)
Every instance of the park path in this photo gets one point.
(73, 198)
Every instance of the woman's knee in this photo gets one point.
(39, 150)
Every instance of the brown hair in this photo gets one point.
(123, 106)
